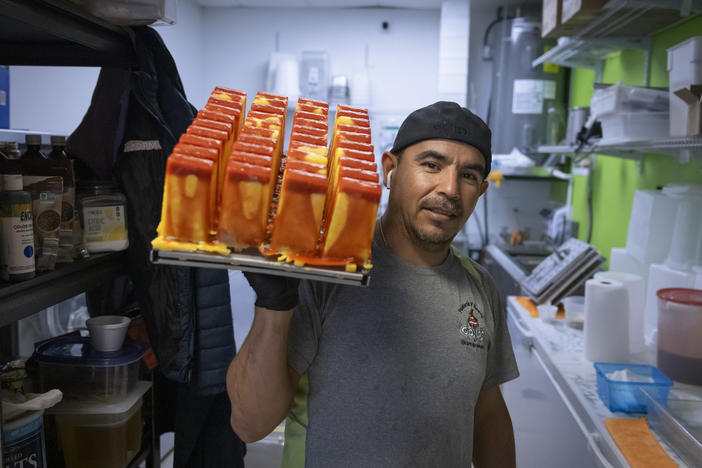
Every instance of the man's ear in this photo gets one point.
(484, 186)
(388, 162)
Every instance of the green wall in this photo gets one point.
(614, 180)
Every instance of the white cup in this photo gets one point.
(107, 332)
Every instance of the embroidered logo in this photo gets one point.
(472, 333)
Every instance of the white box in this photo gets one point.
(685, 78)
(633, 126)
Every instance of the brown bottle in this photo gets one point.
(33, 161)
(9, 158)
(60, 165)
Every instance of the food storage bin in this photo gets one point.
(105, 435)
(633, 126)
(72, 365)
(619, 98)
(679, 423)
(618, 394)
(679, 332)
(133, 12)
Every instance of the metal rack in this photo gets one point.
(260, 264)
(684, 148)
(622, 24)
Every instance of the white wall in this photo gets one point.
(403, 61)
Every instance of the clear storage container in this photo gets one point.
(100, 435)
(679, 423)
(620, 98)
(70, 364)
(679, 334)
(633, 126)
(626, 396)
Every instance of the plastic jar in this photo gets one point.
(103, 212)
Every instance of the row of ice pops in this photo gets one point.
(320, 195)
(196, 168)
(239, 196)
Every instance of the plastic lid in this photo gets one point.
(32, 139)
(685, 296)
(58, 140)
(74, 407)
(77, 351)
(11, 182)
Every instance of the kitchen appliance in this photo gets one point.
(521, 94)
(562, 272)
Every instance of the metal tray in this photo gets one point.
(260, 264)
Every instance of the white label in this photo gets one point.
(3, 97)
(528, 97)
(103, 224)
(549, 90)
(17, 249)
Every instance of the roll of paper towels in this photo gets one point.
(606, 321)
(636, 289)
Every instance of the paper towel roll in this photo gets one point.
(636, 288)
(606, 321)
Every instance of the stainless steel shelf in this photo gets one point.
(622, 24)
(260, 264)
(683, 148)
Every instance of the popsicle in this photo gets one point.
(245, 205)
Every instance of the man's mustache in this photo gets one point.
(441, 205)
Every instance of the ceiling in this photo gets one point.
(425, 4)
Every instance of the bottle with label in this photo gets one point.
(60, 165)
(9, 158)
(16, 231)
(104, 216)
(33, 161)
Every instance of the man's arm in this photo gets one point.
(260, 384)
(493, 436)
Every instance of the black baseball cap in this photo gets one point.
(445, 120)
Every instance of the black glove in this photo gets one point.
(273, 292)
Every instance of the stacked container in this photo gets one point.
(99, 421)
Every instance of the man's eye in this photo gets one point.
(431, 165)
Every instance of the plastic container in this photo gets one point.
(100, 435)
(133, 12)
(679, 332)
(70, 364)
(574, 307)
(104, 217)
(650, 226)
(619, 395)
(633, 126)
(679, 424)
(23, 441)
(618, 99)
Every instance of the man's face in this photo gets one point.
(435, 186)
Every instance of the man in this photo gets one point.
(406, 372)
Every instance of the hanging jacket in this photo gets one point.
(134, 120)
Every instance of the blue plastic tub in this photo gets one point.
(627, 396)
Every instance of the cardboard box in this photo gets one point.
(685, 84)
(578, 13)
(550, 17)
(685, 109)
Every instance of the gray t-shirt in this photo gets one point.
(393, 372)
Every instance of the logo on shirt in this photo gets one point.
(472, 333)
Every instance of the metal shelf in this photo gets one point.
(55, 32)
(19, 300)
(682, 147)
(260, 264)
(622, 24)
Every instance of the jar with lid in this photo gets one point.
(103, 210)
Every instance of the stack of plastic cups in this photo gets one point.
(677, 269)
